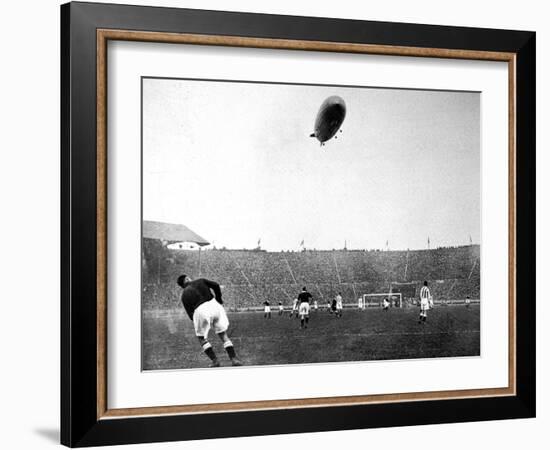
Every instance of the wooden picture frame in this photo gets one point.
(86, 418)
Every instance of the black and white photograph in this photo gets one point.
(299, 224)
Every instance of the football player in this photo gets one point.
(207, 311)
(304, 298)
(267, 310)
(294, 308)
(425, 302)
(339, 304)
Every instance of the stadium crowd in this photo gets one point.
(249, 277)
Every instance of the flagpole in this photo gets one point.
(199, 260)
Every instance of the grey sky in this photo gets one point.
(235, 163)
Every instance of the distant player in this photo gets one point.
(267, 310)
(333, 306)
(360, 303)
(467, 302)
(281, 308)
(304, 298)
(206, 311)
(294, 308)
(315, 305)
(339, 304)
(385, 304)
(329, 306)
(425, 302)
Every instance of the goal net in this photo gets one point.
(407, 289)
(394, 298)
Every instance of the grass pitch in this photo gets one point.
(169, 341)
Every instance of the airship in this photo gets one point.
(329, 119)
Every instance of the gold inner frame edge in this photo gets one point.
(104, 35)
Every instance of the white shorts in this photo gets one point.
(267, 309)
(210, 314)
(304, 309)
(424, 304)
(339, 306)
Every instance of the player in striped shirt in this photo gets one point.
(294, 307)
(339, 305)
(425, 302)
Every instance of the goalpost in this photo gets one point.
(376, 299)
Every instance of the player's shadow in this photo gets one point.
(50, 434)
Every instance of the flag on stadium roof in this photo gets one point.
(171, 232)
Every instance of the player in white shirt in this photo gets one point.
(339, 304)
(281, 308)
(385, 304)
(294, 308)
(315, 305)
(426, 302)
(360, 302)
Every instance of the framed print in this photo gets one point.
(276, 224)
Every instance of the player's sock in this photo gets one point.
(209, 351)
(301, 323)
(228, 346)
